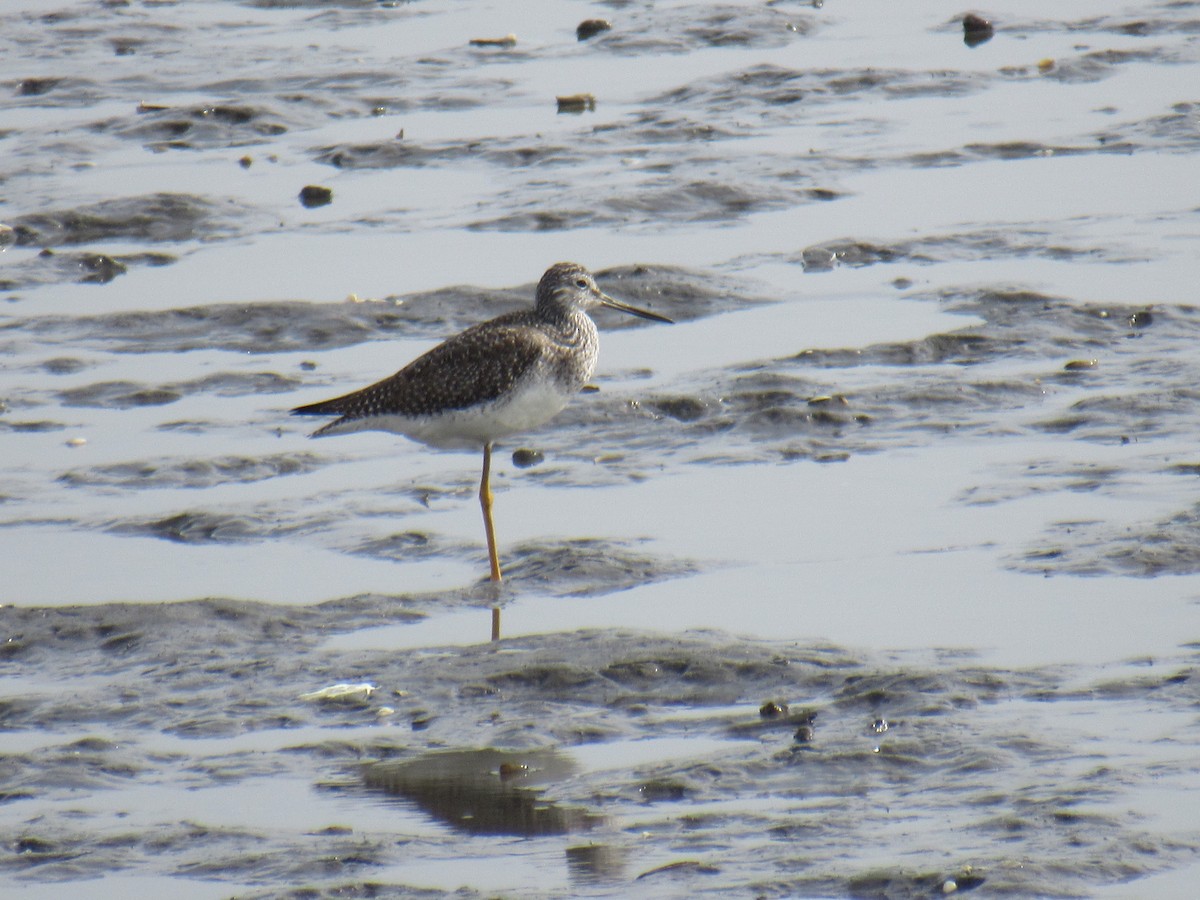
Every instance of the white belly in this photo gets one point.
(523, 410)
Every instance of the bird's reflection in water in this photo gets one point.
(596, 863)
(484, 792)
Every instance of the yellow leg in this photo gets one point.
(485, 501)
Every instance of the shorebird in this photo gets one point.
(500, 377)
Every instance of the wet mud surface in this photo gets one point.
(937, 319)
(179, 700)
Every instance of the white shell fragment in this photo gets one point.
(341, 693)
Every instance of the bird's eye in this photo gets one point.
(581, 282)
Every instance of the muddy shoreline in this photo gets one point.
(874, 576)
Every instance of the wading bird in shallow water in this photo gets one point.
(507, 375)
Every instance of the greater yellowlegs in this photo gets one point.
(497, 378)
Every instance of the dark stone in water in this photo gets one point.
(976, 30)
(524, 458)
(314, 195)
(1141, 319)
(576, 103)
(773, 709)
(35, 87)
(592, 27)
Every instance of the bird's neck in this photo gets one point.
(572, 325)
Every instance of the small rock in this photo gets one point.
(34, 87)
(314, 195)
(976, 30)
(524, 458)
(576, 103)
(592, 27)
(773, 709)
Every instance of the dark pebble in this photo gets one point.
(576, 103)
(773, 709)
(524, 458)
(313, 195)
(35, 87)
(592, 27)
(1142, 319)
(976, 30)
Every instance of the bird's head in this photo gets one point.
(570, 286)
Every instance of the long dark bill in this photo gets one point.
(608, 301)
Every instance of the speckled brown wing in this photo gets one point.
(473, 367)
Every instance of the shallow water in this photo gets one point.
(917, 461)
